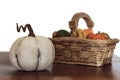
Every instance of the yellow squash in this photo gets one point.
(80, 33)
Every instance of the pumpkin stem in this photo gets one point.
(98, 32)
(31, 33)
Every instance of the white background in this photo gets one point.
(47, 16)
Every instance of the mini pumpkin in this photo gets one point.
(87, 31)
(32, 53)
(100, 36)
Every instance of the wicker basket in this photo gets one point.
(74, 50)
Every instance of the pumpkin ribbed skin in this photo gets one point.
(91, 36)
(100, 36)
(87, 31)
(32, 53)
(106, 35)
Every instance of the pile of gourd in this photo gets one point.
(35, 53)
(85, 34)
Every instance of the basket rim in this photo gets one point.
(85, 41)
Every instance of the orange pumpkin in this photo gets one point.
(87, 31)
(101, 36)
(91, 36)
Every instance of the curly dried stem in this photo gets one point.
(31, 33)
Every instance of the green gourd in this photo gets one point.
(62, 33)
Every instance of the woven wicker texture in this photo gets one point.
(74, 50)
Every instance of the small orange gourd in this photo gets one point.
(87, 31)
(100, 36)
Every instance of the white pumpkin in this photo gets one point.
(32, 53)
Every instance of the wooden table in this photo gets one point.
(61, 71)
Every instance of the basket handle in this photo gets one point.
(73, 24)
